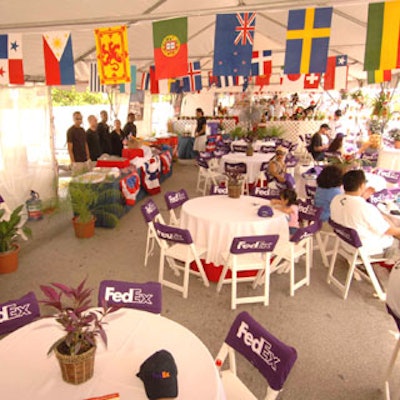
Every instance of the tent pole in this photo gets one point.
(52, 141)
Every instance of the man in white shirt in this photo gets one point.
(352, 210)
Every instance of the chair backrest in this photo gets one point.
(381, 196)
(306, 231)
(273, 358)
(370, 157)
(310, 191)
(349, 235)
(16, 313)
(173, 234)
(308, 211)
(389, 175)
(141, 296)
(253, 244)
(267, 148)
(176, 199)
(207, 155)
(293, 147)
(265, 193)
(291, 160)
(286, 143)
(312, 172)
(264, 166)
(149, 210)
(218, 190)
(240, 167)
(239, 148)
(202, 162)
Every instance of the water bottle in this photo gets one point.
(34, 207)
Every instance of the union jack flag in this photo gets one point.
(245, 28)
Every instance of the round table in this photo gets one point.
(253, 163)
(214, 221)
(389, 158)
(28, 373)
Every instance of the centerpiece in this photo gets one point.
(235, 182)
(395, 135)
(75, 351)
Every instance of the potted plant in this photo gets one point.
(235, 182)
(90, 202)
(10, 230)
(395, 135)
(75, 351)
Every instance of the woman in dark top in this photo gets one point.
(200, 134)
(116, 139)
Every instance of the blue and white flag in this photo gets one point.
(129, 87)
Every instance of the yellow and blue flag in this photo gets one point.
(307, 40)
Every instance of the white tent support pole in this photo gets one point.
(52, 140)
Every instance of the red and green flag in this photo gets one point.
(379, 76)
(170, 48)
(383, 36)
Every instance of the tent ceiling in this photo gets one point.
(82, 17)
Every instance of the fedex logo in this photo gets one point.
(266, 192)
(219, 190)
(242, 244)
(170, 236)
(13, 311)
(259, 346)
(150, 208)
(134, 296)
(307, 209)
(176, 198)
(392, 175)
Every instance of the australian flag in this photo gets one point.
(233, 47)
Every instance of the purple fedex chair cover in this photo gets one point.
(268, 354)
(173, 234)
(254, 244)
(349, 235)
(267, 193)
(175, 199)
(149, 210)
(389, 175)
(306, 231)
(141, 296)
(17, 313)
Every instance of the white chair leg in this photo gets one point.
(161, 268)
(272, 394)
(390, 367)
(202, 272)
(186, 280)
(266, 284)
(233, 289)
(374, 280)
(222, 277)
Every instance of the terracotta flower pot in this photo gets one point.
(78, 368)
(234, 191)
(83, 230)
(397, 144)
(9, 260)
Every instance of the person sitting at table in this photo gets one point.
(287, 203)
(200, 133)
(329, 184)
(336, 145)
(116, 139)
(353, 211)
(319, 143)
(277, 166)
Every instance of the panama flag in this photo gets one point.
(11, 66)
(58, 58)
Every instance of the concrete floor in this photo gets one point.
(343, 346)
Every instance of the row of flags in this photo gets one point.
(307, 46)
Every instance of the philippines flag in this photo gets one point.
(58, 58)
(11, 65)
(192, 81)
(336, 73)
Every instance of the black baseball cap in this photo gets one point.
(159, 375)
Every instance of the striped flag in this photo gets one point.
(336, 73)
(145, 81)
(94, 80)
(379, 76)
(307, 40)
(382, 49)
(129, 87)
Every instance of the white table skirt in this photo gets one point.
(214, 221)
(389, 158)
(253, 163)
(28, 373)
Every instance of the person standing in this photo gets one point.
(200, 133)
(319, 143)
(116, 139)
(129, 129)
(77, 145)
(103, 131)
(92, 138)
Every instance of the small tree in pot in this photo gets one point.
(76, 350)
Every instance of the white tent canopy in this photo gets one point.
(81, 17)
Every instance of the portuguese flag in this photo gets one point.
(170, 48)
(383, 36)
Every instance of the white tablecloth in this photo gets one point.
(28, 373)
(253, 163)
(214, 221)
(389, 159)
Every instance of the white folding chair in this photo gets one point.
(150, 214)
(174, 200)
(300, 244)
(178, 248)
(248, 253)
(206, 176)
(273, 358)
(349, 246)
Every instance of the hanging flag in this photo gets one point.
(129, 88)
(192, 80)
(307, 40)
(311, 81)
(213, 80)
(261, 67)
(170, 48)
(379, 76)
(145, 81)
(336, 73)
(233, 45)
(176, 86)
(94, 80)
(11, 65)
(58, 58)
(382, 48)
(227, 81)
(112, 55)
(153, 80)
(297, 82)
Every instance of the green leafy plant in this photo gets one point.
(88, 201)
(82, 325)
(10, 229)
(275, 131)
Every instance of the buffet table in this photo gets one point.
(214, 221)
(28, 373)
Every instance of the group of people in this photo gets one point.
(98, 139)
